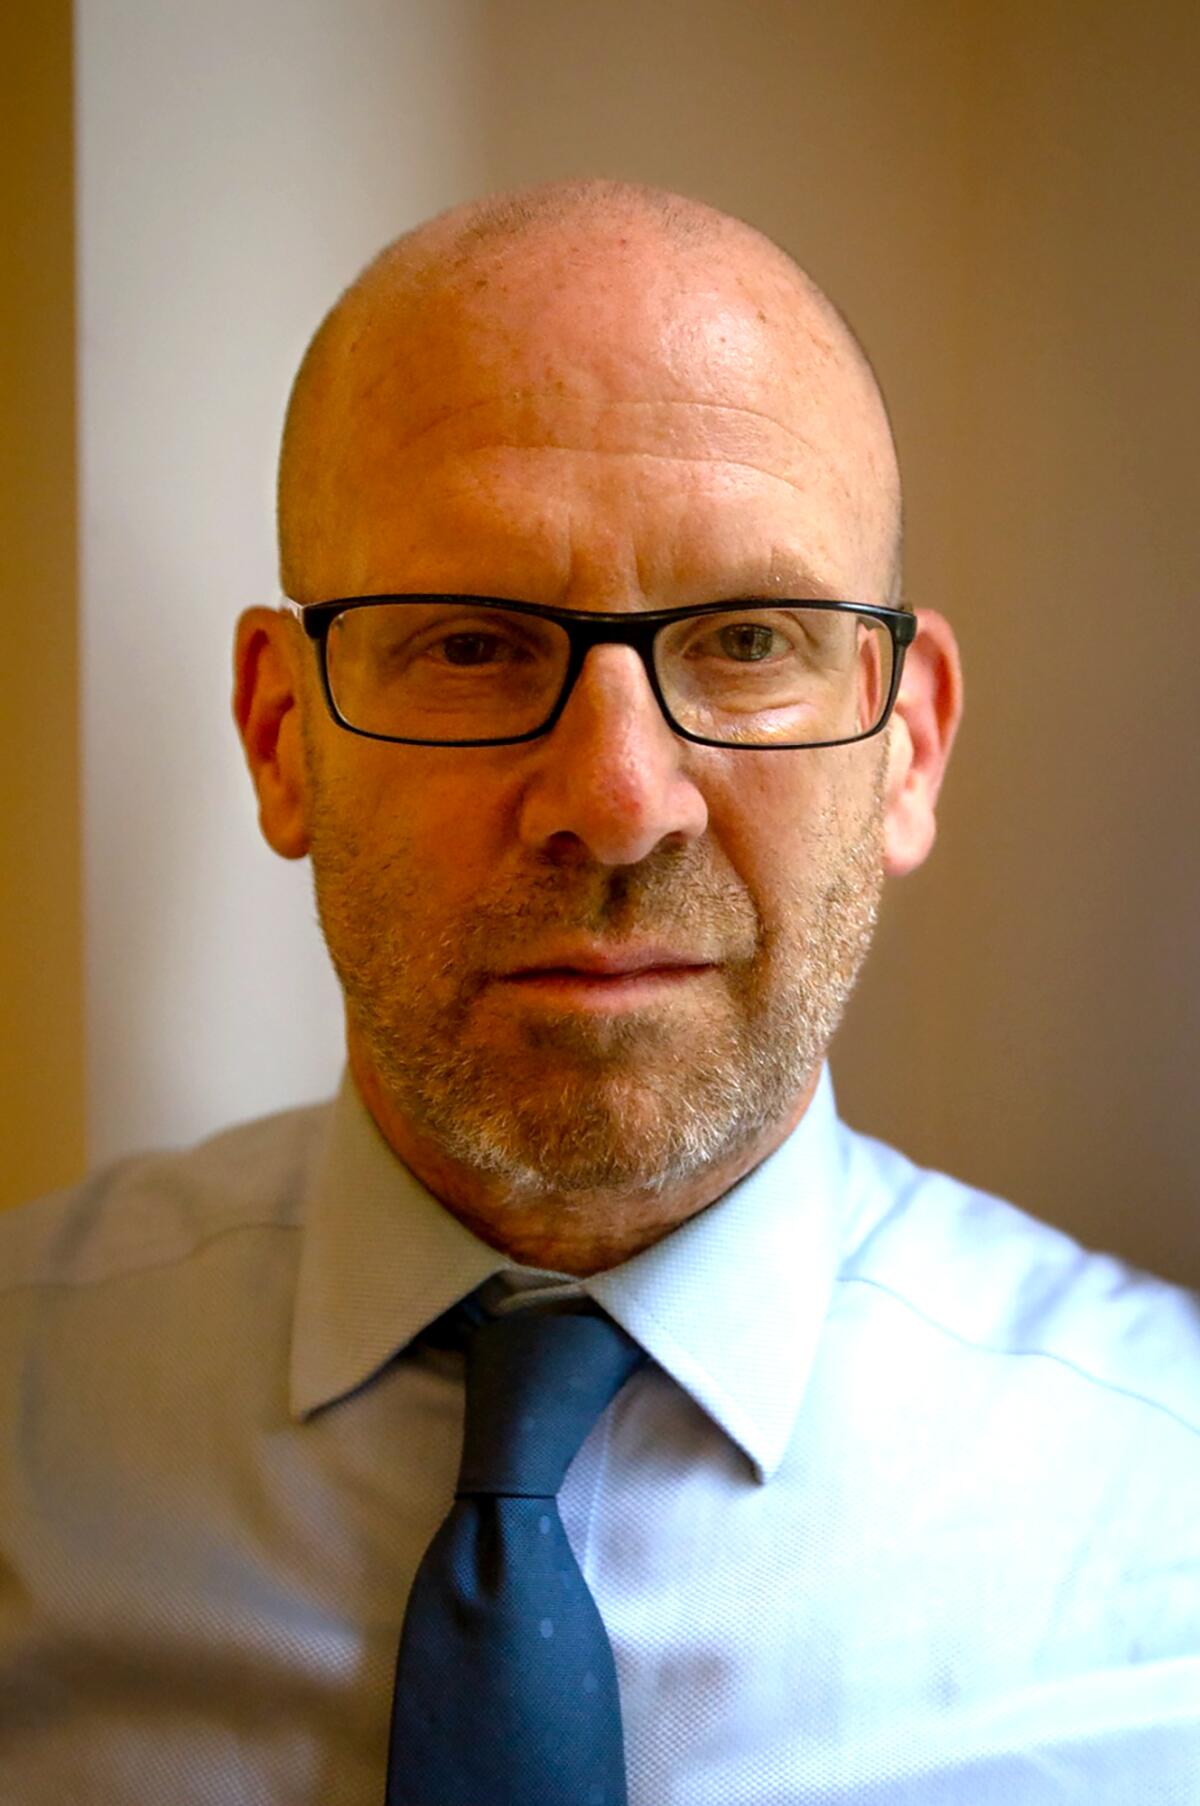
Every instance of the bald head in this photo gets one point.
(596, 291)
(600, 404)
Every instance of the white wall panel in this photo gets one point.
(237, 162)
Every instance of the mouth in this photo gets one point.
(607, 978)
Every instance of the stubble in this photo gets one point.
(569, 1105)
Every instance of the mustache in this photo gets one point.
(677, 900)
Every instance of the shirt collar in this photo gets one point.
(730, 1304)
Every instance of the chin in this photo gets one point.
(603, 1126)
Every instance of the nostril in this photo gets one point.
(566, 849)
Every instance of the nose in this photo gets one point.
(608, 780)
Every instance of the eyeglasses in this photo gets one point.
(477, 671)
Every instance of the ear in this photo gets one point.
(921, 731)
(266, 707)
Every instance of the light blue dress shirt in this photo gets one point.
(904, 1510)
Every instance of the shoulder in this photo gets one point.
(156, 1209)
(990, 1277)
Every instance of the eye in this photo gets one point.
(747, 641)
(477, 648)
(739, 640)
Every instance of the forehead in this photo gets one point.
(602, 322)
(544, 495)
(584, 413)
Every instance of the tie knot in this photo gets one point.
(536, 1383)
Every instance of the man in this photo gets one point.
(595, 707)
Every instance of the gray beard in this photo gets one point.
(620, 1104)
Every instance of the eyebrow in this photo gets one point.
(788, 575)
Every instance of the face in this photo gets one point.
(606, 959)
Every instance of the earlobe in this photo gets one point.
(266, 708)
(922, 732)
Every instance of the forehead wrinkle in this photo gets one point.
(432, 427)
(536, 414)
(803, 477)
(471, 481)
(782, 556)
(651, 457)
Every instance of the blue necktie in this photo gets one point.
(506, 1690)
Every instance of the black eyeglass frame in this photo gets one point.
(585, 630)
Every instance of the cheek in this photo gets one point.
(764, 812)
(434, 816)
(785, 820)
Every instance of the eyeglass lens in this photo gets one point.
(445, 671)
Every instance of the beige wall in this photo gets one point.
(41, 1048)
(1001, 199)
(1068, 1015)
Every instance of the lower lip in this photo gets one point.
(603, 991)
